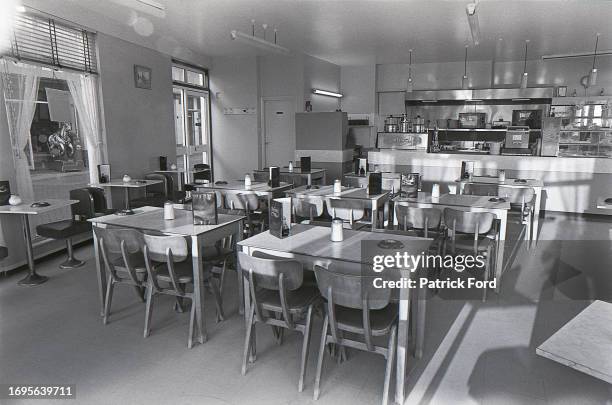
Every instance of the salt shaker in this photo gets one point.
(247, 181)
(290, 166)
(168, 210)
(435, 190)
(336, 230)
(501, 175)
(337, 186)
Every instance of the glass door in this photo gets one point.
(192, 129)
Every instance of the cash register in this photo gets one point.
(517, 142)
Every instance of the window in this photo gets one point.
(191, 75)
(40, 39)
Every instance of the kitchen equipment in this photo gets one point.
(500, 124)
(517, 137)
(550, 136)
(494, 148)
(527, 118)
(442, 124)
(467, 169)
(402, 141)
(472, 120)
(419, 125)
(453, 124)
(404, 124)
(392, 124)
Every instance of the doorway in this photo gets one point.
(278, 130)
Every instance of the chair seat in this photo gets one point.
(297, 300)
(63, 229)
(3, 252)
(136, 260)
(183, 271)
(381, 320)
(466, 242)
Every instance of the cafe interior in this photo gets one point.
(209, 202)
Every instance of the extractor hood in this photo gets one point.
(432, 96)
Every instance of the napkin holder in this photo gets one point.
(280, 217)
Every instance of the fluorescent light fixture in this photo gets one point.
(20, 9)
(474, 100)
(521, 99)
(576, 55)
(429, 101)
(470, 10)
(327, 93)
(153, 4)
(593, 73)
(465, 82)
(258, 42)
(409, 84)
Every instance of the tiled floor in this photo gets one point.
(475, 353)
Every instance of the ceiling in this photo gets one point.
(352, 32)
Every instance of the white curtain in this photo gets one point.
(20, 94)
(85, 96)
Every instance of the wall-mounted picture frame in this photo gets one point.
(142, 77)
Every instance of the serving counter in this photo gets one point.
(570, 184)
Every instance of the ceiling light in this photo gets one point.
(470, 10)
(576, 55)
(327, 93)
(409, 84)
(465, 82)
(153, 4)
(20, 9)
(593, 74)
(525, 74)
(260, 43)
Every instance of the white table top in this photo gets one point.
(130, 184)
(25, 207)
(310, 240)
(296, 171)
(238, 185)
(312, 191)
(355, 193)
(459, 200)
(152, 219)
(508, 182)
(585, 342)
(181, 170)
(602, 204)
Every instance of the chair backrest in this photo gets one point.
(346, 210)
(271, 273)
(99, 199)
(480, 189)
(391, 181)
(305, 207)
(243, 200)
(468, 222)
(417, 218)
(125, 242)
(517, 195)
(158, 188)
(344, 285)
(85, 207)
(168, 250)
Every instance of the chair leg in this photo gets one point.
(247, 340)
(222, 277)
(178, 305)
(71, 262)
(108, 300)
(140, 291)
(320, 358)
(305, 348)
(192, 316)
(389, 369)
(486, 273)
(148, 311)
(212, 284)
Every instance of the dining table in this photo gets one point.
(260, 188)
(181, 174)
(471, 203)
(126, 186)
(373, 202)
(24, 210)
(312, 176)
(200, 236)
(536, 184)
(311, 245)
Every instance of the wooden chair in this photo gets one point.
(306, 210)
(473, 232)
(480, 189)
(121, 250)
(422, 220)
(170, 271)
(278, 299)
(201, 172)
(356, 308)
(521, 199)
(247, 204)
(99, 201)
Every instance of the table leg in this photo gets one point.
(126, 196)
(99, 273)
(421, 308)
(246, 292)
(198, 287)
(536, 217)
(374, 215)
(32, 278)
(502, 215)
(403, 331)
(238, 238)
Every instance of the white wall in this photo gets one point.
(233, 83)
(358, 84)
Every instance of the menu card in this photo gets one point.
(305, 164)
(280, 217)
(5, 192)
(375, 183)
(409, 185)
(163, 163)
(274, 179)
(104, 174)
(204, 207)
